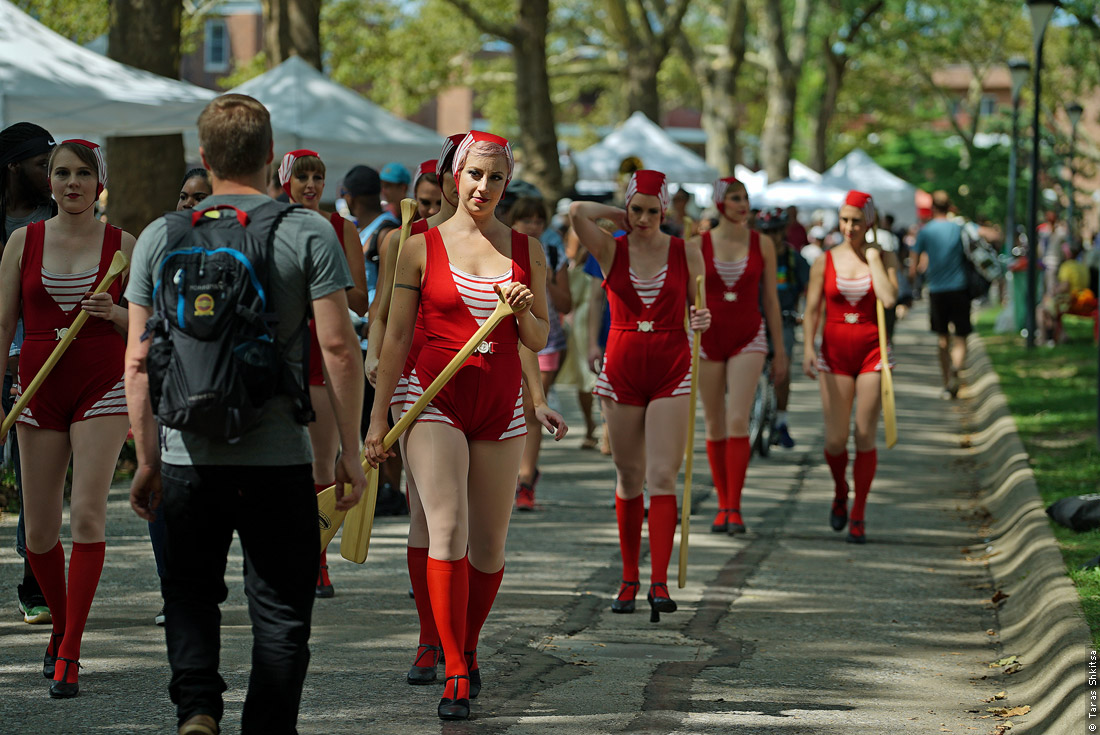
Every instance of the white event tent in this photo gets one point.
(309, 110)
(803, 194)
(639, 136)
(73, 91)
(892, 195)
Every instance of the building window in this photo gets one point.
(989, 105)
(216, 46)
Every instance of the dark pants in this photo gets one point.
(274, 512)
(20, 528)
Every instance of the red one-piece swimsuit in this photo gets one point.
(87, 381)
(648, 353)
(316, 372)
(733, 297)
(849, 343)
(484, 399)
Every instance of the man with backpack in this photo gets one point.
(235, 455)
(939, 255)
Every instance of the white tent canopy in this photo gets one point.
(802, 194)
(641, 137)
(309, 110)
(72, 91)
(755, 181)
(801, 172)
(892, 195)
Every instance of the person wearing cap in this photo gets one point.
(741, 276)
(24, 198)
(46, 273)
(813, 250)
(645, 380)
(464, 452)
(302, 177)
(395, 180)
(844, 285)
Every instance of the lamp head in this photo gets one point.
(1073, 111)
(1020, 70)
(1041, 11)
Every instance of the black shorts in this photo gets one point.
(950, 307)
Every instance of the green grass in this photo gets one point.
(1052, 395)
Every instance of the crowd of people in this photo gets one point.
(601, 297)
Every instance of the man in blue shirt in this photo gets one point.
(938, 254)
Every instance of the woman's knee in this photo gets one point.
(661, 477)
(630, 476)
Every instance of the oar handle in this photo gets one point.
(689, 451)
(119, 264)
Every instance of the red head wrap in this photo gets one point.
(101, 162)
(721, 186)
(287, 166)
(477, 136)
(862, 200)
(427, 167)
(649, 182)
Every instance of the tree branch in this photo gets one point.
(671, 23)
(620, 21)
(507, 33)
(861, 20)
(647, 27)
(800, 31)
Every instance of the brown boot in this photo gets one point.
(199, 725)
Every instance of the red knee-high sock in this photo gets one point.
(630, 514)
(863, 472)
(322, 572)
(838, 465)
(49, 570)
(85, 566)
(417, 558)
(449, 590)
(716, 457)
(483, 591)
(738, 452)
(662, 528)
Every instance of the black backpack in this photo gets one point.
(214, 360)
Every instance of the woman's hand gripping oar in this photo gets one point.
(118, 266)
(689, 453)
(359, 522)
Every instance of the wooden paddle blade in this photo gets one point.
(408, 210)
(119, 264)
(355, 539)
(328, 517)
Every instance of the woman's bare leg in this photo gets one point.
(96, 445)
(666, 424)
(323, 436)
(44, 455)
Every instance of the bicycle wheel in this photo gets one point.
(757, 416)
(767, 430)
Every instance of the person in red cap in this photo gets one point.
(740, 276)
(302, 175)
(645, 380)
(464, 449)
(844, 285)
(47, 273)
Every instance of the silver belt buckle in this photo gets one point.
(851, 318)
(484, 348)
(61, 333)
(645, 326)
(730, 296)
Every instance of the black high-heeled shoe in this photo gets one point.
(659, 603)
(838, 515)
(857, 534)
(735, 524)
(49, 662)
(419, 674)
(475, 674)
(454, 708)
(63, 689)
(621, 605)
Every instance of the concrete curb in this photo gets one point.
(1041, 622)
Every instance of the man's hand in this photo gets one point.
(145, 492)
(350, 481)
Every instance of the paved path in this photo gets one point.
(785, 630)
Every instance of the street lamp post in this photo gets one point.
(1073, 112)
(1019, 69)
(1041, 11)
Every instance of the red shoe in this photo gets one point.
(735, 524)
(721, 521)
(525, 497)
(856, 533)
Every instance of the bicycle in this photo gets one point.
(762, 416)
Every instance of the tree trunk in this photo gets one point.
(784, 66)
(144, 172)
(537, 136)
(292, 28)
(641, 84)
(778, 136)
(835, 66)
(721, 114)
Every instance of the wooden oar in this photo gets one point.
(689, 453)
(329, 517)
(359, 522)
(118, 266)
(889, 408)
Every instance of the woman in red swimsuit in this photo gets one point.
(843, 286)
(646, 377)
(47, 273)
(465, 448)
(740, 274)
(302, 174)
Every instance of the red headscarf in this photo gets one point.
(721, 186)
(427, 167)
(862, 200)
(648, 182)
(477, 136)
(287, 166)
(101, 162)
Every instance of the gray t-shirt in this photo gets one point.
(308, 263)
(11, 224)
(942, 240)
